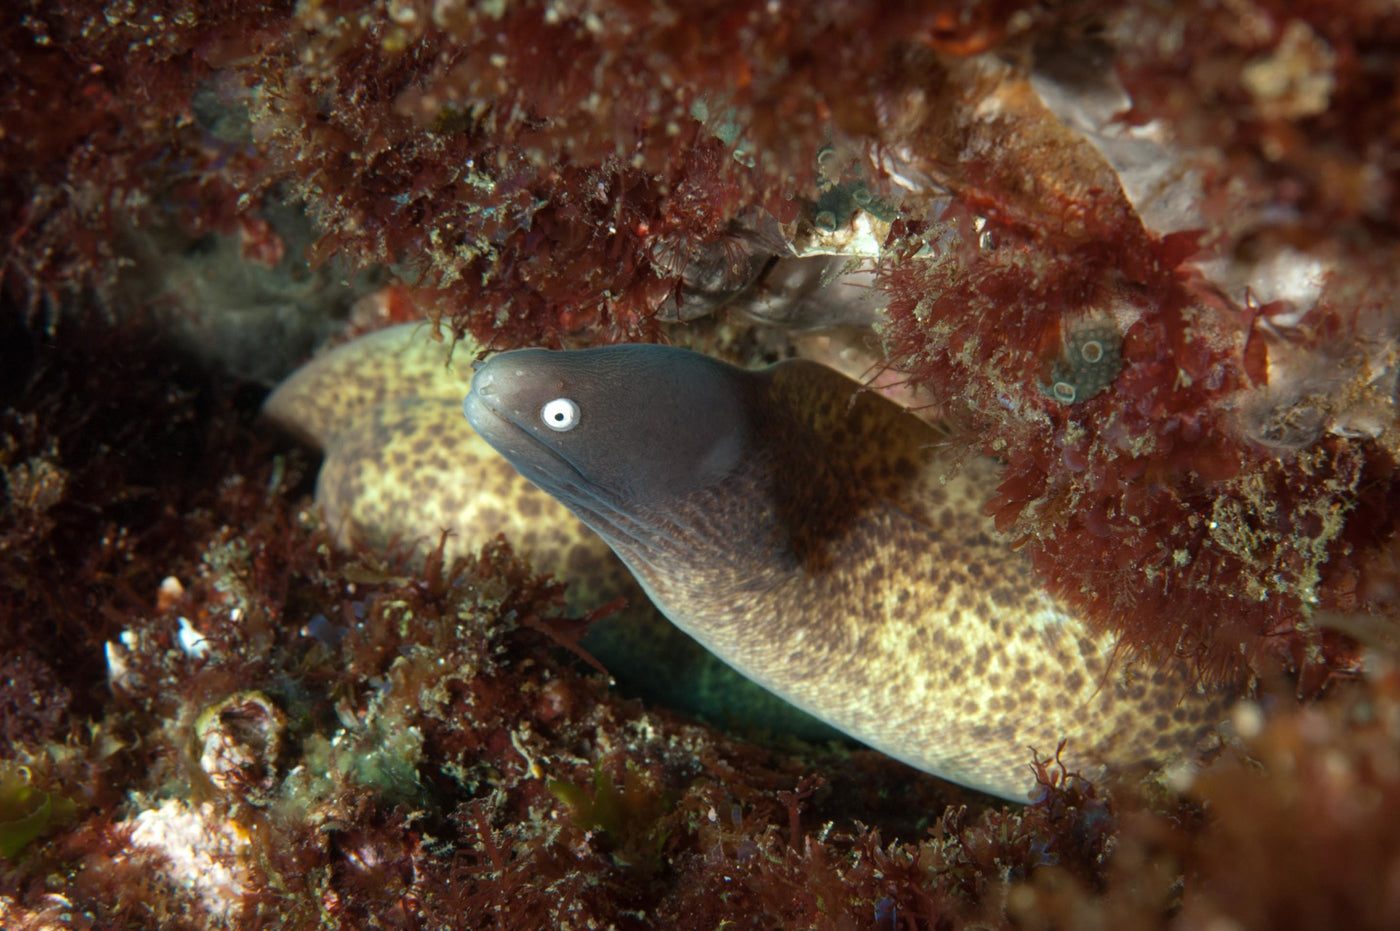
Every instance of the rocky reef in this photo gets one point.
(1141, 255)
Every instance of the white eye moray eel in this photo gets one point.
(387, 411)
(816, 537)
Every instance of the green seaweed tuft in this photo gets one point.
(26, 811)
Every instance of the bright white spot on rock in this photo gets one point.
(169, 592)
(192, 641)
(118, 673)
(198, 851)
(1181, 775)
(1247, 718)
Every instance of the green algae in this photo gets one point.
(26, 811)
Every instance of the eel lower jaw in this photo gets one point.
(531, 458)
(525, 452)
(479, 413)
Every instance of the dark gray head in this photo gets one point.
(619, 429)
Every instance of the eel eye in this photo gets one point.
(560, 414)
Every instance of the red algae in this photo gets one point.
(350, 739)
(73, 181)
(1315, 779)
(1217, 540)
(1236, 488)
(534, 199)
(1292, 103)
(380, 742)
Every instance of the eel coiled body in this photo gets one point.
(823, 541)
(399, 470)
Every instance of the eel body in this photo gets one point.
(822, 541)
(399, 469)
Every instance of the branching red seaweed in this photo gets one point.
(1197, 423)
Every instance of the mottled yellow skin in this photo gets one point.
(906, 621)
(910, 623)
(399, 465)
(833, 547)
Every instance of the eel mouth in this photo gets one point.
(552, 471)
(483, 416)
(502, 429)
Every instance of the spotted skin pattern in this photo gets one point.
(843, 560)
(398, 467)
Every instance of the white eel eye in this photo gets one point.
(560, 415)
